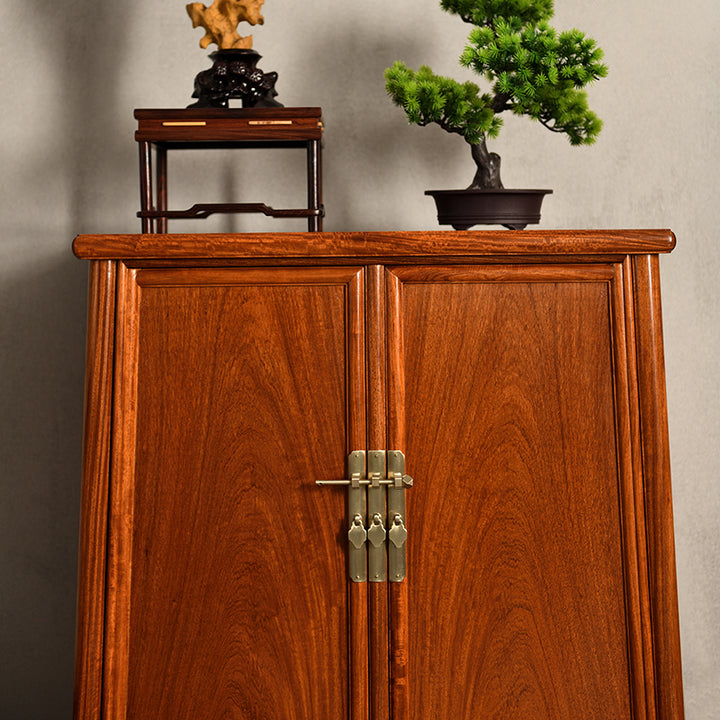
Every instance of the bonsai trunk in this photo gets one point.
(487, 176)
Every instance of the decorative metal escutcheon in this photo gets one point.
(357, 535)
(376, 532)
(398, 533)
(377, 508)
(376, 490)
(357, 508)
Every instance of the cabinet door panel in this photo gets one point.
(237, 395)
(516, 589)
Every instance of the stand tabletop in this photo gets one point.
(198, 125)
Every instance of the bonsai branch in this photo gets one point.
(501, 102)
(552, 128)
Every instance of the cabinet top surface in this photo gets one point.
(377, 246)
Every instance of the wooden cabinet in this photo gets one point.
(521, 374)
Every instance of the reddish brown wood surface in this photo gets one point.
(228, 561)
(521, 374)
(516, 582)
(377, 439)
(630, 488)
(356, 383)
(658, 497)
(93, 518)
(235, 124)
(400, 614)
(380, 246)
(359, 680)
(121, 491)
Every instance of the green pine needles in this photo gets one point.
(534, 71)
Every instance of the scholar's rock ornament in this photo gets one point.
(221, 20)
(234, 74)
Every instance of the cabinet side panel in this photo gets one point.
(516, 603)
(238, 600)
(94, 507)
(658, 497)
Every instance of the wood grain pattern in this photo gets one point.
(356, 383)
(375, 247)
(376, 357)
(358, 629)
(516, 565)
(658, 497)
(234, 124)
(521, 374)
(94, 506)
(630, 492)
(120, 520)
(400, 613)
(377, 439)
(238, 587)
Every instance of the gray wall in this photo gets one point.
(74, 71)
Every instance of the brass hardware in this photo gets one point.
(397, 560)
(185, 123)
(376, 532)
(270, 122)
(405, 480)
(398, 533)
(357, 554)
(377, 555)
(357, 535)
(376, 489)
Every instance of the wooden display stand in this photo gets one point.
(531, 575)
(208, 128)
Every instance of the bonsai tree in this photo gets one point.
(534, 71)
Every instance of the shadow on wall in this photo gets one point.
(372, 157)
(43, 293)
(90, 47)
(41, 365)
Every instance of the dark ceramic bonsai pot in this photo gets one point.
(512, 208)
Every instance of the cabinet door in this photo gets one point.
(522, 597)
(235, 390)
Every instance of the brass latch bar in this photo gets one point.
(405, 480)
(375, 502)
(356, 505)
(377, 556)
(397, 535)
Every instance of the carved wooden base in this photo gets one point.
(234, 75)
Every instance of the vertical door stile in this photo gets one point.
(398, 591)
(356, 440)
(121, 497)
(377, 440)
(628, 477)
(658, 497)
(235, 389)
(94, 507)
(639, 492)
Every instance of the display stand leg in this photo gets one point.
(145, 185)
(314, 183)
(161, 223)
